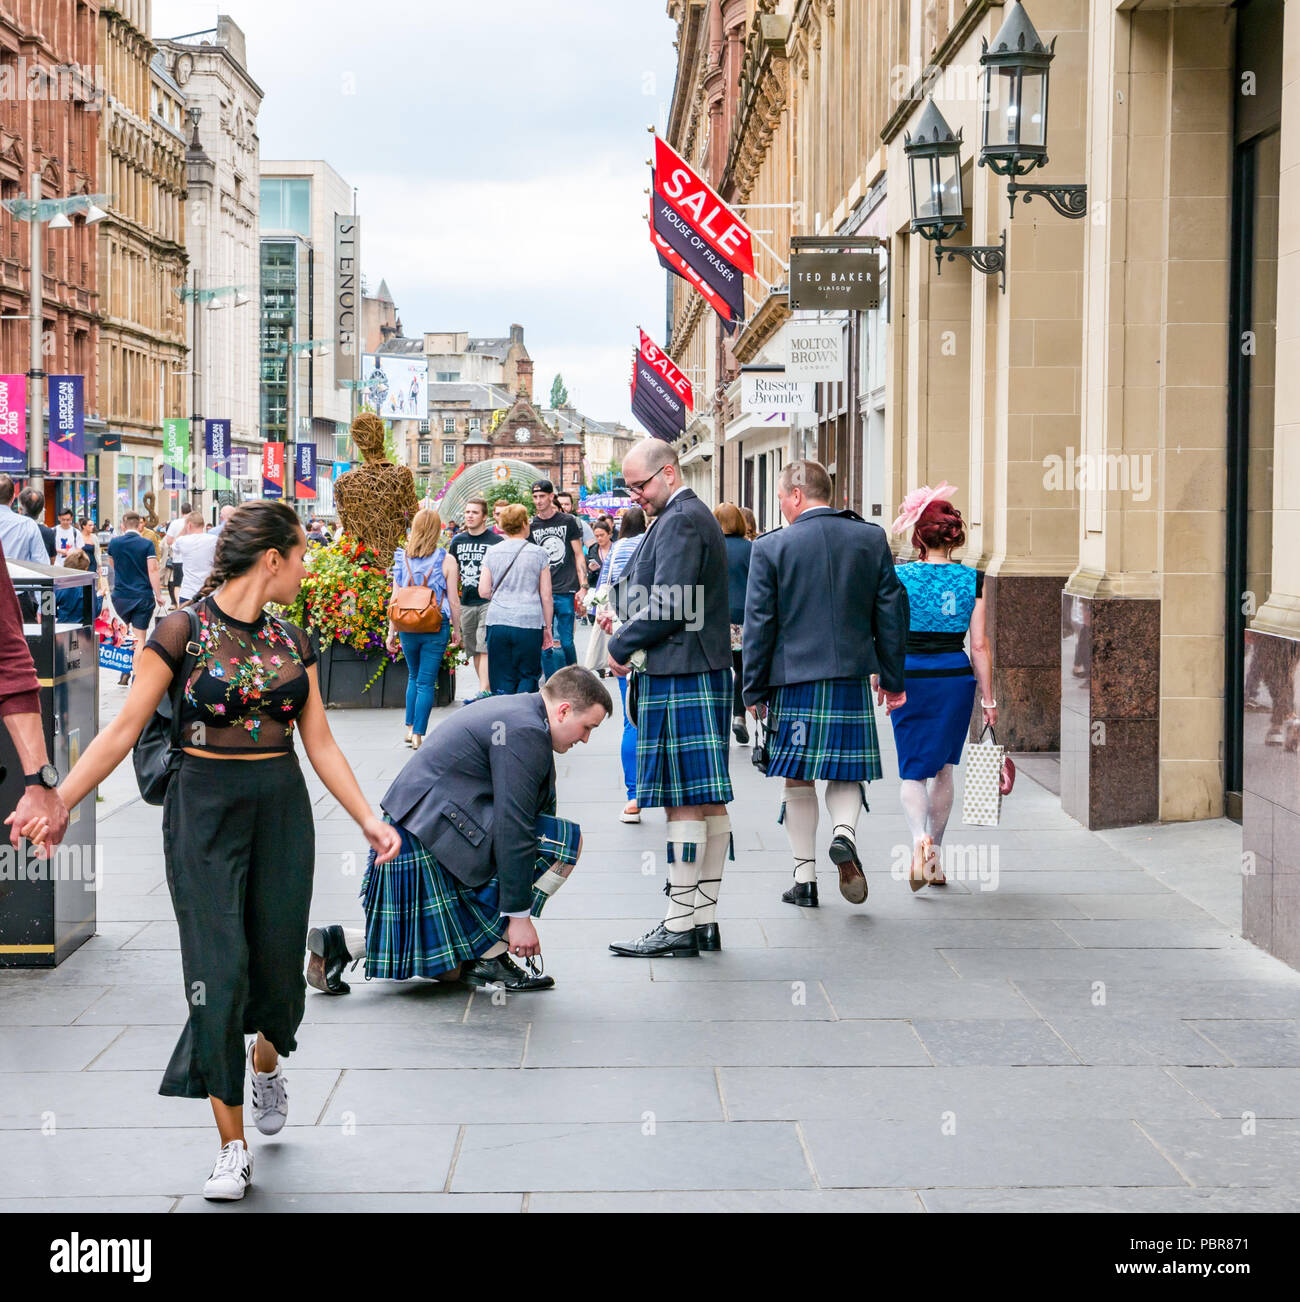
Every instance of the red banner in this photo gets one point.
(659, 361)
(694, 200)
(674, 261)
(272, 469)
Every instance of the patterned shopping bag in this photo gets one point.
(981, 804)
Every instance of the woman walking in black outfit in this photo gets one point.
(237, 821)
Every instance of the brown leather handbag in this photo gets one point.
(415, 609)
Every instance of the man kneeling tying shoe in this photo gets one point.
(482, 850)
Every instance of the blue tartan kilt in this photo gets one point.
(421, 921)
(682, 739)
(823, 730)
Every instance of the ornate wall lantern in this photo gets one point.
(934, 175)
(1014, 112)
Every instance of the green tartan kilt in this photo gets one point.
(823, 730)
(421, 921)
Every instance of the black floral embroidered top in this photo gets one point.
(249, 683)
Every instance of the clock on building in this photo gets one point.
(522, 436)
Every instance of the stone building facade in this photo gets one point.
(1118, 420)
(221, 229)
(143, 342)
(49, 124)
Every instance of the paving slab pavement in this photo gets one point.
(1074, 1024)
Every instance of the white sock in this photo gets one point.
(715, 859)
(844, 804)
(941, 792)
(685, 837)
(916, 806)
(799, 813)
(355, 940)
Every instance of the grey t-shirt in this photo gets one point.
(515, 601)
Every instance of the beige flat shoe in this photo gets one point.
(933, 871)
(916, 873)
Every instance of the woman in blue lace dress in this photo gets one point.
(947, 601)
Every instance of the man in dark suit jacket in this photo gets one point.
(672, 600)
(824, 611)
(471, 796)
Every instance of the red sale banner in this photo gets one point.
(659, 361)
(676, 181)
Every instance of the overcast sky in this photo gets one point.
(499, 148)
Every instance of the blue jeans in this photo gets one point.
(424, 653)
(628, 750)
(514, 658)
(563, 652)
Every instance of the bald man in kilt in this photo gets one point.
(673, 601)
(824, 611)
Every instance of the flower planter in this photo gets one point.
(344, 672)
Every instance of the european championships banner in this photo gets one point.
(67, 454)
(661, 394)
(13, 424)
(216, 448)
(176, 454)
(304, 471)
(697, 236)
(272, 469)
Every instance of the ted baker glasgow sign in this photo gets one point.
(833, 281)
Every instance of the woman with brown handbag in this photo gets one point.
(423, 617)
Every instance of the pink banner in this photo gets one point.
(13, 424)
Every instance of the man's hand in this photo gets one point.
(580, 603)
(606, 621)
(40, 807)
(618, 669)
(548, 639)
(521, 937)
(894, 701)
(759, 711)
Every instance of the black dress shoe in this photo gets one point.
(853, 882)
(660, 943)
(739, 731)
(502, 971)
(708, 937)
(804, 894)
(329, 958)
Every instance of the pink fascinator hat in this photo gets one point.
(916, 501)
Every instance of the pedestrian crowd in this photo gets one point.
(707, 627)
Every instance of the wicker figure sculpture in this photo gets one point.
(376, 501)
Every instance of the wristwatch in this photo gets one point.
(46, 776)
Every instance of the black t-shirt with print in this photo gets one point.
(469, 550)
(556, 537)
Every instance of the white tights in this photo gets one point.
(927, 805)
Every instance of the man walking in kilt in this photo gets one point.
(824, 611)
(673, 599)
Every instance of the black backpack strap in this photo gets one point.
(177, 693)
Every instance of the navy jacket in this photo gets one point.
(472, 793)
(823, 602)
(673, 594)
(738, 550)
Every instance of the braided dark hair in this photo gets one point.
(940, 529)
(253, 529)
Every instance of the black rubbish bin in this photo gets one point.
(47, 906)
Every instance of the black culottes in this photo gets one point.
(240, 847)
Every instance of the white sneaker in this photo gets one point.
(232, 1174)
(270, 1097)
